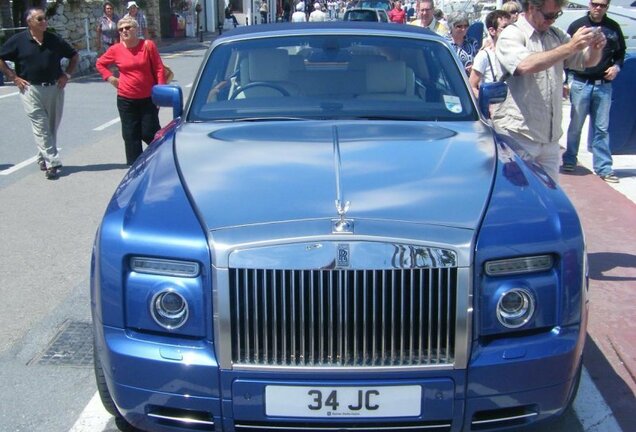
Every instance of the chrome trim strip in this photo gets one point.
(504, 419)
(181, 419)
(340, 369)
(327, 428)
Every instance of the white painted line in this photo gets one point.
(107, 124)
(591, 409)
(94, 418)
(8, 95)
(21, 165)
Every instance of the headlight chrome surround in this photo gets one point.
(515, 307)
(169, 309)
(521, 265)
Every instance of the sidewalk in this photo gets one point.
(608, 215)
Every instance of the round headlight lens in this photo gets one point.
(169, 309)
(515, 308)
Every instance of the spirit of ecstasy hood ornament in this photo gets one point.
(341, 225)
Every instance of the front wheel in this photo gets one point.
(575, 386)
(104, 395)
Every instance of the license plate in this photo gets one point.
(378, 401)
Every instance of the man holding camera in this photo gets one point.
(591, 93)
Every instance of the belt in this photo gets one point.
(45, 84)
(590, 80)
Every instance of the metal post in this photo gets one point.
(88, 38)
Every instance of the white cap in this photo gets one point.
(131, 4)
(317, 6)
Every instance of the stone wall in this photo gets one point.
(71, 17)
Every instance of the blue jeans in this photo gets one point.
(595, 101)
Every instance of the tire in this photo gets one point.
(102, 388)
(575, 386)
(105, 396)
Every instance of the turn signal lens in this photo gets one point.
(164, 267)
(521, 265)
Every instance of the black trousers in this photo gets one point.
(139, 122)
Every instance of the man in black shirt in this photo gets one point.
(38, 75)
(591, 93)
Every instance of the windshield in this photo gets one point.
(332, 77)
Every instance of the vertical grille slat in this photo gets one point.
(343, 318)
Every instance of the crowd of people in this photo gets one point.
(540, 63)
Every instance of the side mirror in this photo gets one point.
(491, 93)
(169, 96)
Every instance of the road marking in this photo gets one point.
(94, 418)
(21, 165)
(589, 406)
(10, 94)
(591, 409)
(107, 124)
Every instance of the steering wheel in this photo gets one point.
(241, 89)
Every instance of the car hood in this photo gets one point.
(257, 173)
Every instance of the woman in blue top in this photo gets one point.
(465, 47)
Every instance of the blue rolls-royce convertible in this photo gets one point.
(330, 236)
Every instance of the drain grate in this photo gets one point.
(72, 346)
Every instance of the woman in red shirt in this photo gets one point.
(140, 67)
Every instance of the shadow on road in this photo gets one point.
(70, 169)
(617, 394)
(602, 262)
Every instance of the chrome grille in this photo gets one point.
(343, 318)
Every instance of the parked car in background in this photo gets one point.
(331, 236)
(365, 14)
(373, 4)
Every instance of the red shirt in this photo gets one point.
(397, 16)
(139, 67)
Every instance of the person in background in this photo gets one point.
(486, 67)
(140, 67)
(440, 17)
(106, 30)
(229, 15)
(427, 20)
(264, 10)
(513, 8)
(142, 25)
(287, 11)
(299, 15)
(591, 93)
(36, 54)
(465, 47)
(534, 53)
(317, 15)
(397, 15)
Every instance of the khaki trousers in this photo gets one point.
(546, 155)
(44, 106)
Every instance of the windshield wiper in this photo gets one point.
(260, 119)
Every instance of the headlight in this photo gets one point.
(169, 309)
(515, 307)
(520, 265)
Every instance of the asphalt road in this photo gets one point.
(46, 235)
